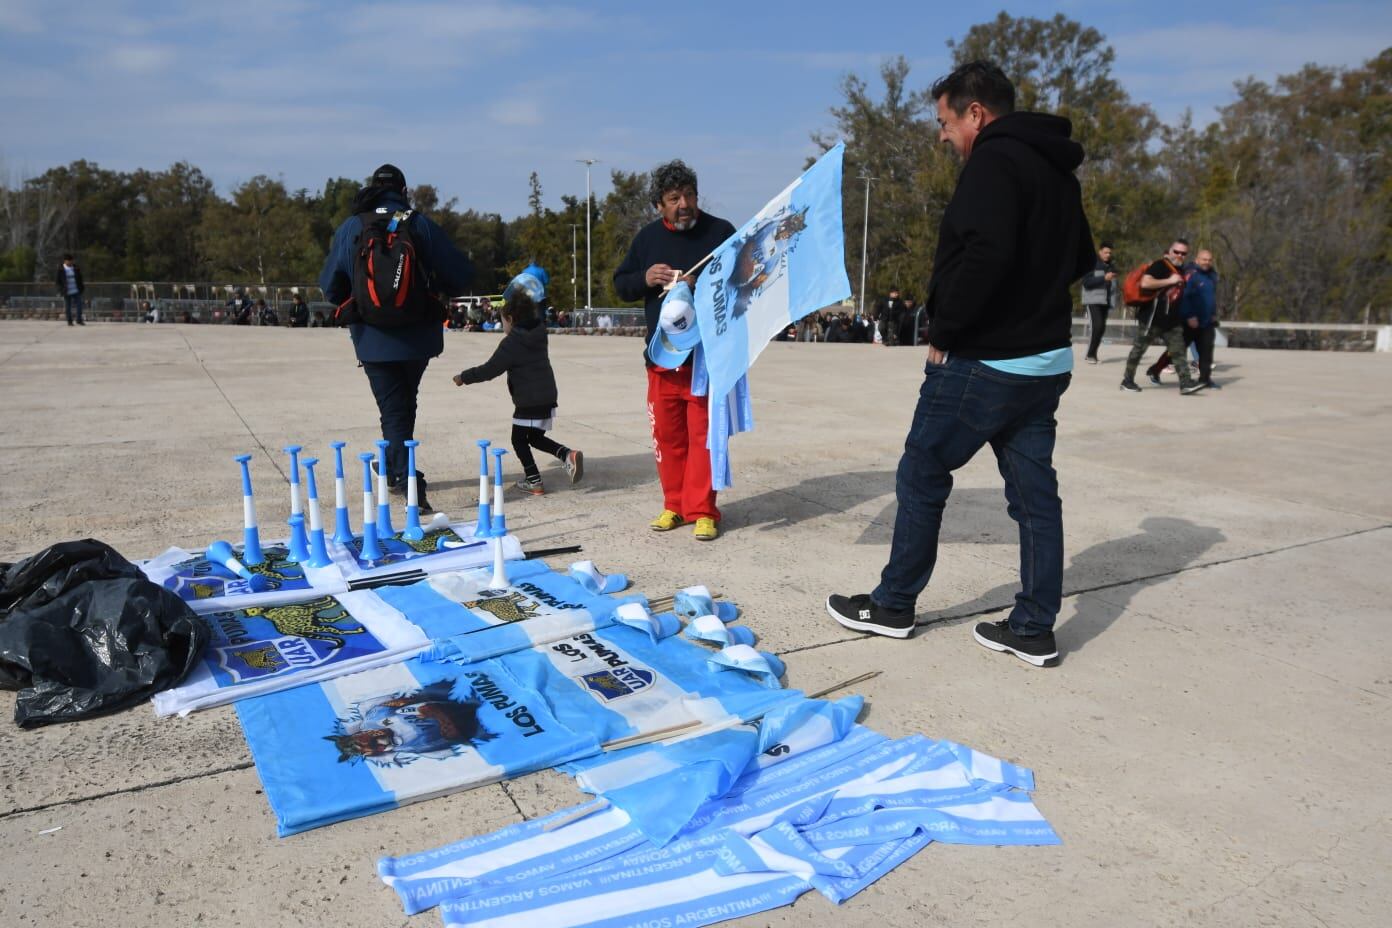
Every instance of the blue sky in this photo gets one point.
(472, 97)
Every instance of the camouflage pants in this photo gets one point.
(1172, 339)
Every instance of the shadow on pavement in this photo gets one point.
(1123, 566)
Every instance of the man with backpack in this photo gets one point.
(1155, 291)
(387, 269)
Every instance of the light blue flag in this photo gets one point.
(538, 849)
(788, 261)
(376, 740)
(749, 853)
(681, 778)
(539, 606)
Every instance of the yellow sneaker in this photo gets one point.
(706, 529)
(665, 522)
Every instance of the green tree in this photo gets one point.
(162, 237)
(1063, 67)
(262, 235)
(614, 223)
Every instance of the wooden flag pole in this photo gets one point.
(845, 683)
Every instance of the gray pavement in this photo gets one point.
(1210, 749)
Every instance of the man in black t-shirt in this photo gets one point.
(1160, 320)
(663, 251)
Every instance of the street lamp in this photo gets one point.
(864, 237)
(573, 273)
(589, 294)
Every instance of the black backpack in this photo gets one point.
(390, 283)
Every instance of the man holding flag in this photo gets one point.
(1012, 240)
(674, 243)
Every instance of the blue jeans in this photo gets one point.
(962, 406)
(69, 301)
(394, 387)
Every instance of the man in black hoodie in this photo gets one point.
(1012, 241)
(394, 358)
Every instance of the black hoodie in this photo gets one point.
(523, 356)
(1013, 239)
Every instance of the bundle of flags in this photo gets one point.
(822, 804)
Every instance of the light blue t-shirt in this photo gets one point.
(1044, 364)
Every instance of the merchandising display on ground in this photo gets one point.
(382, 667)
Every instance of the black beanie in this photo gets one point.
(389, 175)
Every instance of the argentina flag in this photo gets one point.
(788, 261)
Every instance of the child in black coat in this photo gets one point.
(532, 384)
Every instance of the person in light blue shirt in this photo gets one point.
(1012, 241)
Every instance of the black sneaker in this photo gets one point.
(1154, 379)
(1035, 649)
(859, 612)
(1193, 388)
(1211, 385)
(399, 489)
(1130, 386)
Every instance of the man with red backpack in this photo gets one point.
(1161, 286)
(388, 268)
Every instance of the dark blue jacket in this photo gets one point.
(449, 272)
(1200, 300)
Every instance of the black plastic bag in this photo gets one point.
(83, 632)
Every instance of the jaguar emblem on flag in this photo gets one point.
(511, 608)
(618, 682)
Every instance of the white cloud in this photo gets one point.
(1196, 64)
(20, 16)
(516, 112)
(140, 58)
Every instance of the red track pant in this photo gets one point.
(679, 423)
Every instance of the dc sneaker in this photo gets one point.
(1034, 649)
(863, 614)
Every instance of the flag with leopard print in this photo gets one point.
(265, 648)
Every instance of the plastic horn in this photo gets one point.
(412, 531)
(251, 539)
(371, 550)
(498, 530)
(299, 542)
(299, 546)
(485, 519)
(498, 525)
(343, 532)
(384, 526)
(499, 580)
(294, 451)
(318, 551)
(221, 552)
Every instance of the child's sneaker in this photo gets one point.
(531, 485)
(575, 465)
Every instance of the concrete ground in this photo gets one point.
(1211, 748)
